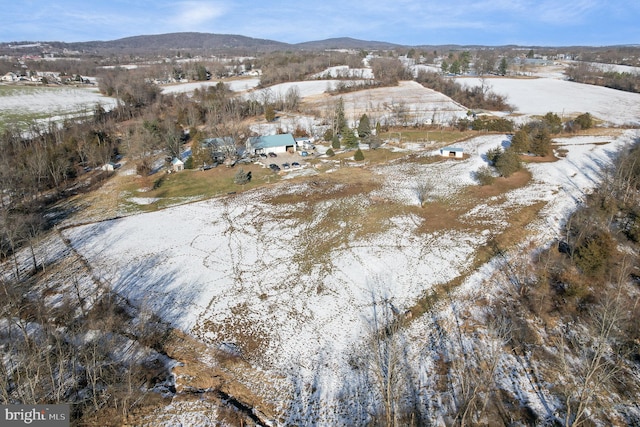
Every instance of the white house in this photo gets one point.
(455, 152)
(9, 77)
(177, 165)
(282, 143)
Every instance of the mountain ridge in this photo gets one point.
(229, 42)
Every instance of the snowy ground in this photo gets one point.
(239, 85)
(237, 268)
(246, 271)
(542, 95)
(407, 103)
(56, 103)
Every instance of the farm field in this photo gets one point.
(292, 274)
(23, 105)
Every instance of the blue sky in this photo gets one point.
(409, 22)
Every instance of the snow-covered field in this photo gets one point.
(246, 271)
(238, 85)
(542, 95)
(53, 102)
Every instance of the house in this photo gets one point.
(221, 149)
(9, 77)
(177, 165)
(281, 143)
(454, 152)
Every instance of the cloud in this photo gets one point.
(190, 15)
(553, 12)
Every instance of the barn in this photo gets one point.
(282, 143)
(455, 152)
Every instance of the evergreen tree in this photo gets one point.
(541, 142)
(553, 122)
(520, 141)
(444, 66)
(585, 121)
(508, 162)
(335, 142)
(364, 127)
(349, 138)
(455, 68)
(502, 68)
(241, 177)
(339, 120)
(358, 156)
(270, 113)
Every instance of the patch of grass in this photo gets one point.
(500, 185)
(195, 185)
(446, 136)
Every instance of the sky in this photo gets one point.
(406, 22)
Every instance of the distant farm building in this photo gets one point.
(455, 152)
(177, 165)
(305, 143)
(271, 144)
(109, 167)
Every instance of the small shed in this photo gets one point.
(109, 167)
(455, 152)
(177, 165)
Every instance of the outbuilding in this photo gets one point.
(282, 143)
(177, 165)
(455, 152)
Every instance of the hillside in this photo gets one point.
(391, 291)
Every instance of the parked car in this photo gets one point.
(295, 164)
(285, 166)
(264, 156)
(274, 167)
(273, 155)
(304, 153)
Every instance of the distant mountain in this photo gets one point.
(197, 43)
(180, 41)
(347, 43)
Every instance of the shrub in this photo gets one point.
(485, 176)
(507, 163)
(188, 164)
(593, 255)
(241, 177)
(493, 125)
(553, 122)
(493, 155)
(330, 152)
(520, 141)
(335, 142)
(358, 156)
(585, 121)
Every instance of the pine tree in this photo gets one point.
(339, 121)
(520, 141)
(241, 177)
(364, 126)
(502, 68)
(270, 113)
(358, 156)
(349, 138)
(335, 142)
